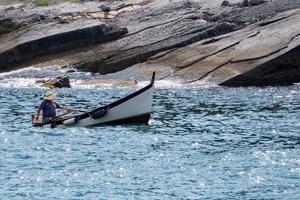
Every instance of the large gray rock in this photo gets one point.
(263, 54)
(169, 27)
(44, 39)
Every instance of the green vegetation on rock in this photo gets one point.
(41, 2)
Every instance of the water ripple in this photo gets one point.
(202, 143)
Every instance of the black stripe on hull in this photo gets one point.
(141, 119)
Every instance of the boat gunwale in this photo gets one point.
(120, 101)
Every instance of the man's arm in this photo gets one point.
(39, 110)
(64, 107)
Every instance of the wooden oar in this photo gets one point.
(62, 115)
(84, 111)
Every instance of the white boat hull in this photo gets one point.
(137, 107)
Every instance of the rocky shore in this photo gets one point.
(230, 43)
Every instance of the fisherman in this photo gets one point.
(48, 106)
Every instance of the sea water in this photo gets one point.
(201, 143)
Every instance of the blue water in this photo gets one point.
(202, 143)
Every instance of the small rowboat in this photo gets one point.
(134, 108)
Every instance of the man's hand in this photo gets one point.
(71, 109)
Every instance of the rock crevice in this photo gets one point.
(228, 60)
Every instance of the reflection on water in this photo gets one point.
(202, 143)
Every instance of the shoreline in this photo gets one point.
(231, 45)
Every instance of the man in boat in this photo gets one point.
(48, 106)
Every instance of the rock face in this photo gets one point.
(43, 39)
(262, 54)
(235, 43)
(166, 27)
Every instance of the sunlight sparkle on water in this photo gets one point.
(240, 143)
